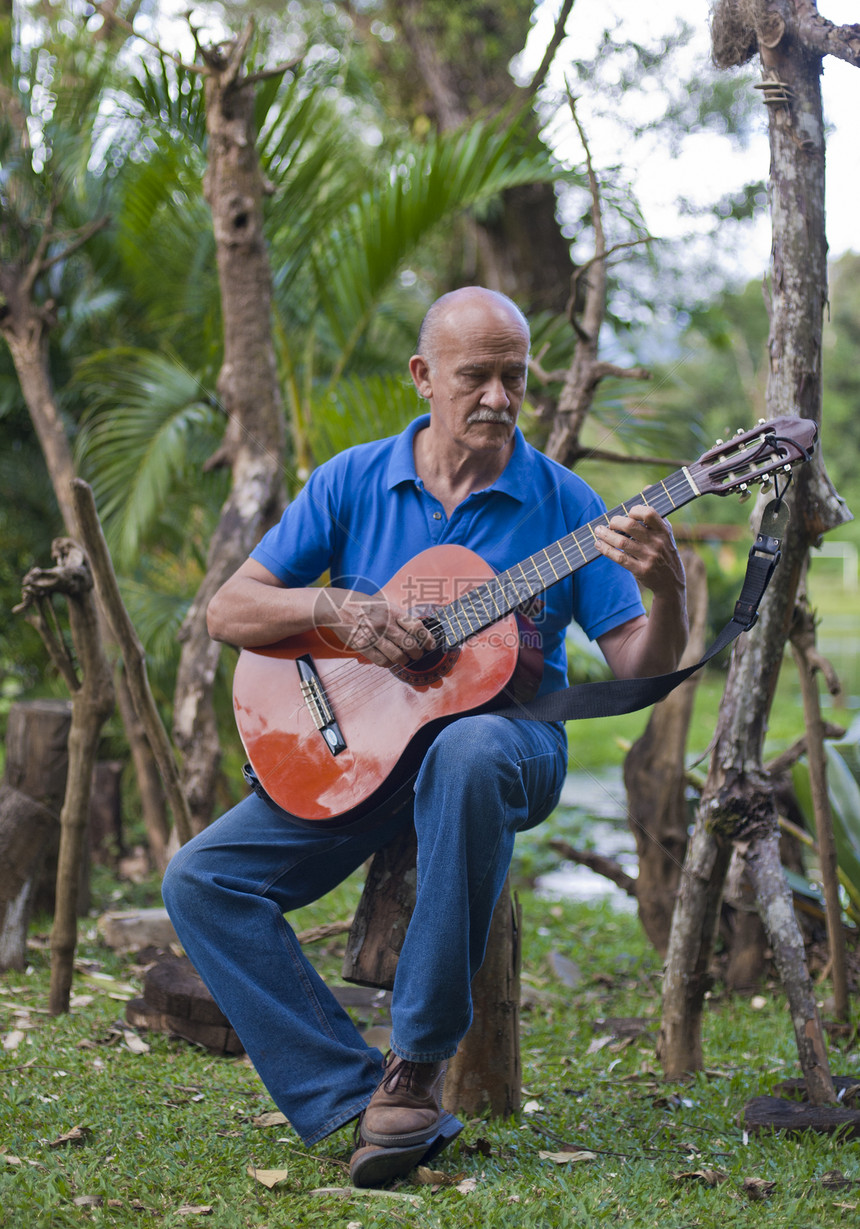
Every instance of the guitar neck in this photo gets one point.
(510, 590)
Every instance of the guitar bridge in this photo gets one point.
(319, 706)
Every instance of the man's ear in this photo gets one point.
(420, 373)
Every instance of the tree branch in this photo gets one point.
(596, 862)
(110, 15)
(819, 35)
(782, 762)
(85, 235)
(549, 55)
(266, 73)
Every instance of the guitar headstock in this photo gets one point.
(750, 457)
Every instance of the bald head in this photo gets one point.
(453, 312)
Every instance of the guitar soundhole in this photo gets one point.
(433, 665)
(429, 668)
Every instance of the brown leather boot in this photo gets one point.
(406, 1107)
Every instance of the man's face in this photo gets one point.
(475, 374)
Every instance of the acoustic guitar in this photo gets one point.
(331, 736)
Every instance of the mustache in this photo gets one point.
(486, 415)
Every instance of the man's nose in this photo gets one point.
(495, 396)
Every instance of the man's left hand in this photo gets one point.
(643, 543)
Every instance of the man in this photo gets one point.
(464, 474)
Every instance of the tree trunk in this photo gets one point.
(458, 67)
(253, 444)
(737, 805)
(25, 328)
(655, 778)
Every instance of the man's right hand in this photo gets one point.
(385, 634)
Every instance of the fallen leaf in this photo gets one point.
(136, 1043)
(847, 1207)
(708, 1177)
(88, 1201)
(562, 1158)
(598, 1043)
(12, 1040)
(273, 1118)
(758, 1188)
(109, 985)
(9, 1159)
(81, 1000)
(567, 972)
(268, 1177)
(532, 1107)
(757, 1002)
(467, 1186)
(432, 1177)
(191, 1209)
(77, 1135)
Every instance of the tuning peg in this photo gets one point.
(740, 431)
(761, 422)
(744, 495)
(719, 442)
(766, 484)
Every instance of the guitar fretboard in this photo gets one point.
(495, 598)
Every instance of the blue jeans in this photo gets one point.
(484, 779)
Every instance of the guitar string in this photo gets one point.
(350, 699)
(367, 687)
(388, 680)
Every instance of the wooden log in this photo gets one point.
(174, 986)
(383, 913)
(485, 1075)
(217, 1038)
(25, 827)
(793, 1117)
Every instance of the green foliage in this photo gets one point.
(149, 429)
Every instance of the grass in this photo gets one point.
(168, 1134)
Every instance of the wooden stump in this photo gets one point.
(383, 913)
(37, 758)
(25, 828)
(34, 786)
(485, 1074)
(176, 1001)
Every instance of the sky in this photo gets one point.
(709, 165)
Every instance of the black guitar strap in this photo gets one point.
(616, 696)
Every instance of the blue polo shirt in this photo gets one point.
(366, 513)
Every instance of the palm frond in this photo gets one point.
(150, 424)
(357, 411)
(358, 260)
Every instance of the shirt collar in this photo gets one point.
(514, 480)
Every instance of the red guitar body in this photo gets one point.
(385, 718)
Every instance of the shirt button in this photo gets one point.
(437, 516)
